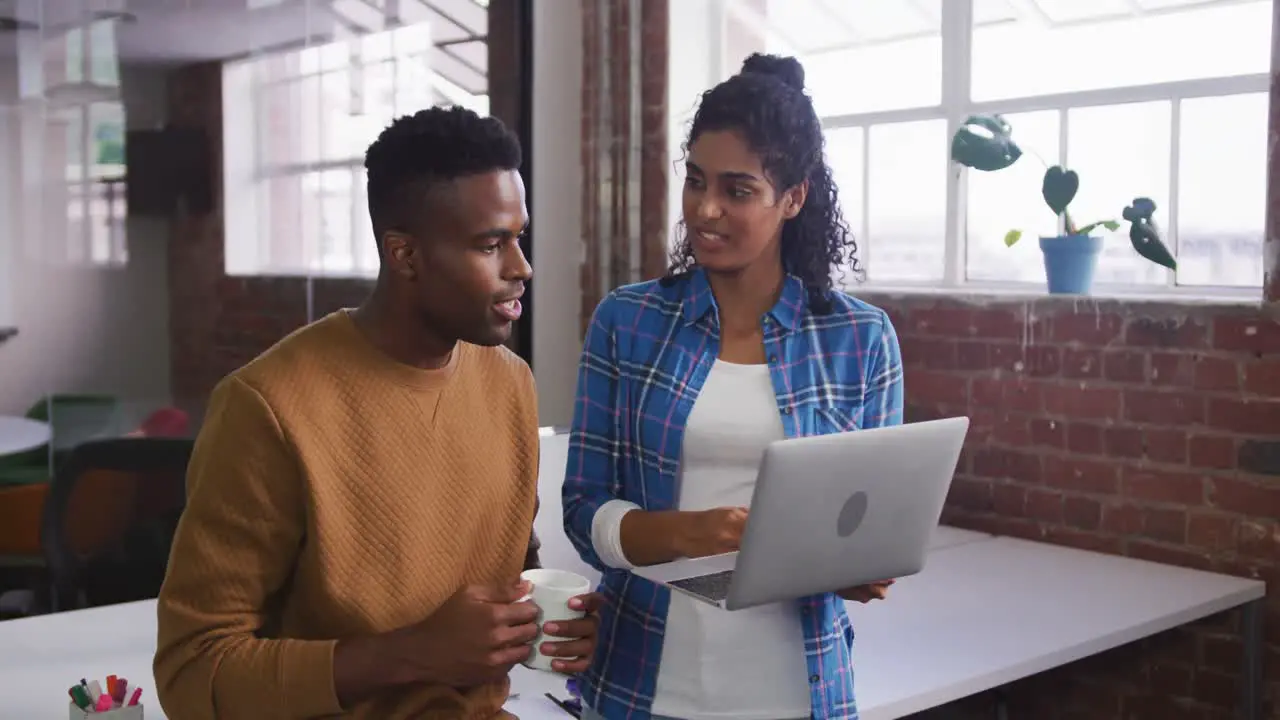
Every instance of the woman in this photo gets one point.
(685, 380)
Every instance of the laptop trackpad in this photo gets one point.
(681, 569)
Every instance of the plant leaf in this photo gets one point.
(1012, 237)
(985, 142)
(1111, 225)
(1146, 240)
(1141, 210)
(1059, 188)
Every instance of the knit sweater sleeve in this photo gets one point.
(235, 549)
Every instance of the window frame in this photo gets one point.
(956, 28)
(252, 166)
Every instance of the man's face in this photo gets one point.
(463, 259)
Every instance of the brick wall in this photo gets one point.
(1144, 429)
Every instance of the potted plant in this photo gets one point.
(985, 142)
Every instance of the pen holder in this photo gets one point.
(131, 712)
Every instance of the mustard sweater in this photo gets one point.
(335, 492)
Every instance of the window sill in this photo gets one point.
(984, 293)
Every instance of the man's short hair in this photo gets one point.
(438, 144)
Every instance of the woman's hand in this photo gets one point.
(573, 655)
(866, 593)
(652, 538)
(711, 532)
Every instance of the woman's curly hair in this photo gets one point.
(766, 102)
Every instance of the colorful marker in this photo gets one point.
(80, 697)
(137, 693)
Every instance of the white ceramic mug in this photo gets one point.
(551, 592)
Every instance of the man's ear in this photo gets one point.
(399, 253)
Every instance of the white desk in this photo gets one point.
(986, 613)
(19, 434)
(41, 657)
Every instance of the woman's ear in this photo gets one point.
(793, 200)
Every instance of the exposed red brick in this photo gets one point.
(1171, 369)
(939, 387)
(1124, 366)
(1166, 445)
(1173, 408)
(1169, 555)
(1211, 531)
(1164, 487)
(1175, 332)
(1247, 333)
(1212, 451)
(1123, 442)
(1245, 415)
(1085, 328)
(1263, 377)
(1081, 401)
(1121, 518)
(970, 494)
(1081, 363)
(1044, 505)
(1001, 464)
(1089, 476)
(1082, 513)
(1246, 497)
(1218, 374)
(1047, 433)
(1165, 524)
(1085, 438)
(1009, 499)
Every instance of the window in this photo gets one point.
(294, 149)
(1159, 98)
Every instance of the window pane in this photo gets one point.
(1010, 199)
(348, 129)
(845, 45)
(907, 205)
(1222, 188)
(844, 155)
(1069, 45)
(333, 202)
(366, 248)
(1120, 152)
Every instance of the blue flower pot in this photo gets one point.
(1069, 262)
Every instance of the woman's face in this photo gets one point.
(733, 214)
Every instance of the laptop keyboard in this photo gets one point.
(714, 587)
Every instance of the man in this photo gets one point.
(361, 497)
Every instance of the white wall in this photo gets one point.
(556, 213)
(695, 35)
(84, 328)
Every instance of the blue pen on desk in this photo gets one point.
(568, 706)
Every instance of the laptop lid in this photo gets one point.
(837, 511)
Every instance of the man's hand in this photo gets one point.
(866, 593)
(574, 656)
(474, 638)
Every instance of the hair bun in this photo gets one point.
(785, 68)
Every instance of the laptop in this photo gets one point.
(830, 512)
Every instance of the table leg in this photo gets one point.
(1251, 660)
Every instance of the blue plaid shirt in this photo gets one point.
(647, 353)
